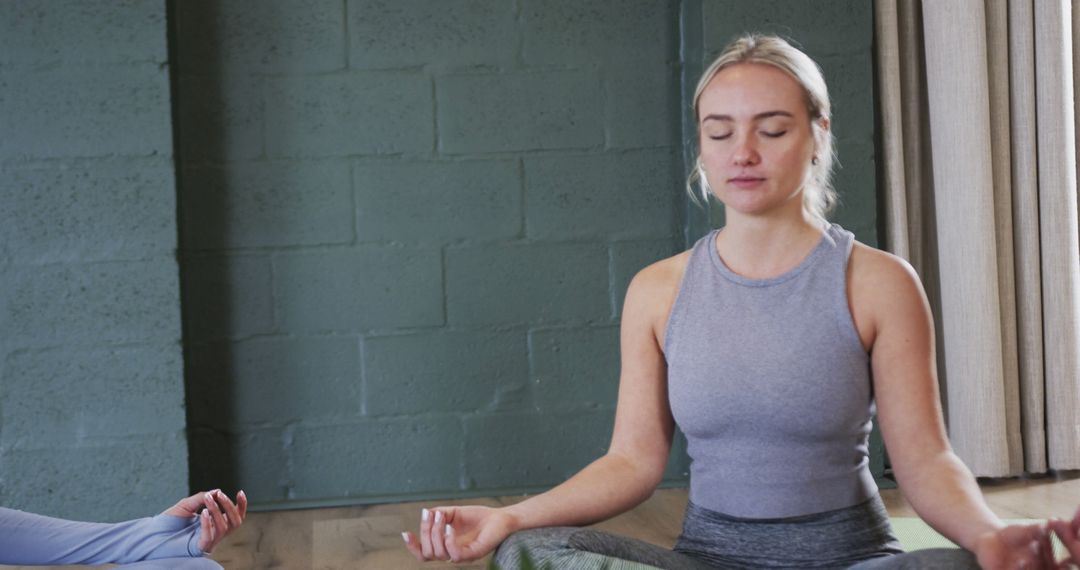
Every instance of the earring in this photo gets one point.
(814, 160)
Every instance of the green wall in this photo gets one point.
(405, 230)
(406, 233)
(91, 382)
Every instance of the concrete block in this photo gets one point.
(95, 303)
(220, 118)
(574, 368)
(850, 79)
(62, 397)
(520, 111)
(569, 31)
(235, 385)
(856, 181)
(105, 482)
(624, 195)
(629, 257)
(253, 460)
(463, 371)
(531, 283)
(530, 450)
(642, 105)
(306, 36)
(349, 114)
(359, 289)
(437, 201)
(113, 111)
(99, 210)
(77, 31)
(227, 296)
(821, 27)
(373, 458)
(261, 204)
(402, 33)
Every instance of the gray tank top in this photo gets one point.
(771, 385)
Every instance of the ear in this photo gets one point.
(821, 133)
(824, 123)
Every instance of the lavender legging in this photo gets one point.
(857, 537)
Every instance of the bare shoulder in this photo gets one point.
(882, 288)
(879, 271)
(661, 278)
(652, 291)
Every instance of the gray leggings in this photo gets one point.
(856, 537)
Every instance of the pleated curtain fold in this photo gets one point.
(976, 103)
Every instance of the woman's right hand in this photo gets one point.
(459, 534)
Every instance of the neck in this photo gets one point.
(760, 247)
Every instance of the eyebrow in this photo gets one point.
(756, 117)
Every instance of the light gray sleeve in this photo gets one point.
(26, 538)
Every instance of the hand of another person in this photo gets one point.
(1016, 547)
(1069, 534)
(459, 534)
(219, 516)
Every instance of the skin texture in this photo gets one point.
(756, 142)
(218, 515)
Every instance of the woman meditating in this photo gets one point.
(175, 539)
(769, 343)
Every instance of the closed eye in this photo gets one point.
(774, 134)
(720, 137)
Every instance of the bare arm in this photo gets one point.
(634, 464)
(938, 485)
(616, 482)
(887, 296)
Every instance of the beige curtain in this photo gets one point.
(980, 192)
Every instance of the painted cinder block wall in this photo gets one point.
(92, 420)
(369, 196)
(406, 232)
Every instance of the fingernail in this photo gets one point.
(1034, 546)
(424, 514)
(448, 530)
(438, 516)
(405, 537)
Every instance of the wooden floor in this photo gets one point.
(370, 537)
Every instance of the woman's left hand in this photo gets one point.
(1016, 547)
(219, 515)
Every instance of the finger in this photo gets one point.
(1035, 557)
(1046, 548)
(438, 536)
(229, 508)
(221, 526)
(457, 554)
(206, 538)
(242, 504)
(413, 545)
(425, 534)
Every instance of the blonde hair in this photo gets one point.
(819, 197)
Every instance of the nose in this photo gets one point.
(745, 152)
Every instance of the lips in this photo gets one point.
(745, 181)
